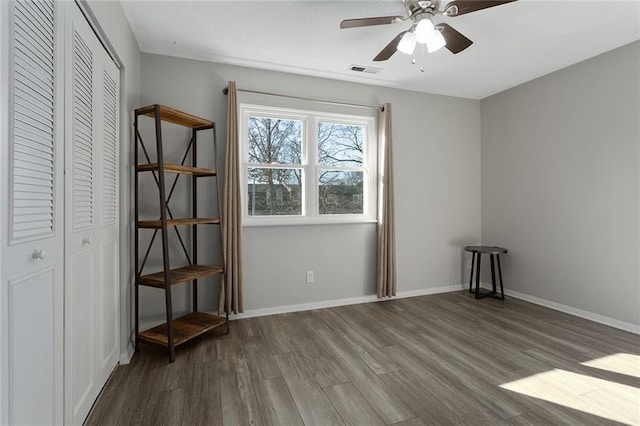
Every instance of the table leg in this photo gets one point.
(473, 261)
(493, 274)
(500, 275)
(478, 275)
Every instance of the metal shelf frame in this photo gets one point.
(168, 277)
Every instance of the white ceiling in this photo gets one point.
(513, 43)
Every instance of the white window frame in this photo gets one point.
(310, 119)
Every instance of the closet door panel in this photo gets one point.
(79, 348)
(33, 144)
(83, 136)
(32, 196)
(31, 343)
(82, 255)
(109, 223)
(92, 244)
(108, 299)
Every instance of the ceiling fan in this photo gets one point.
(423, 30)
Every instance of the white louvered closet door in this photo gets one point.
(32, 215)
(91, 227)
(108, 219)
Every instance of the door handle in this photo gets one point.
(86, 241)
(39, 254)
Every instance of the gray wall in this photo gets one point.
(561, 184)
(114, 27)
(437, 163)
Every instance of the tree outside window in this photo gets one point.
(275, 188)
(340, 171)
(311, 166)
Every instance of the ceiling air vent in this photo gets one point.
(363, 69)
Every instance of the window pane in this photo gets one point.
(340, 144)
(274, 140)
(273, 192)
(340, 192)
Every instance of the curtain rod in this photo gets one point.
(300, 98)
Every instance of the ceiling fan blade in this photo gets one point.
(389, 49)
(366, 22)
(456, 42)
(462, 7)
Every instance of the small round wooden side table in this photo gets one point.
(494, 254)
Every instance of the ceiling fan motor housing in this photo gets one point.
(415, 6)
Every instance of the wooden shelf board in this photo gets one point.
(185, 328)
(179, 222)
(175, 116)
(177, 168)
(179, 275)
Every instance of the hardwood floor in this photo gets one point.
(441, 359)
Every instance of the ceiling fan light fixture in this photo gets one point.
(424, 30)
(436, 41)
(407, 43)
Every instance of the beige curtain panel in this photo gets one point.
(386, 271)
(230, 296)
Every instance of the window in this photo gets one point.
(303, 166)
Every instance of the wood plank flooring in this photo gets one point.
(429, 360)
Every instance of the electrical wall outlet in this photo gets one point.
(309, 277)
(469, 264)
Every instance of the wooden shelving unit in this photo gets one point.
(177, 168)
(157, 224)
(174, 116)
(174, 331)
(185, 328)
(179, 275)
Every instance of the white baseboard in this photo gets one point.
(125, 357)
(284, 309)
(251, 313)
(341, 302)
(612, 322)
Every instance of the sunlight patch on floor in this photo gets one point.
(598, 397)
(628, 364)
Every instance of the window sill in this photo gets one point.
(267, 222)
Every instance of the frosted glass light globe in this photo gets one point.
(436, 41)
(424, 30)
(407, 43)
